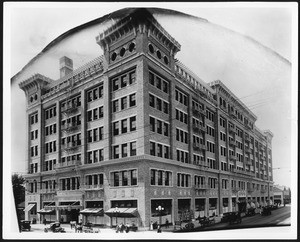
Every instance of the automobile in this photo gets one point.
(266, 210)
(225, 217)
(204, 221)
(55, 228)
(235, 217)
(25, 225)
(274, 206)
(250, 212)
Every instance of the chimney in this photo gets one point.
(65, 66)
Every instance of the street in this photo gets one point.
(279, 217)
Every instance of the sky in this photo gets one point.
(268, 91)
(33, 27)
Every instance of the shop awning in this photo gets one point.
(92, 211)
(122, 212)
(45, 211)
(29, 207)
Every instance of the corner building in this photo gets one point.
(135, 129)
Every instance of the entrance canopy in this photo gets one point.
(92, 211)
(122, 212)
(29, 207)
(46, 211)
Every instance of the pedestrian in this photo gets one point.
(151, 225)
(167, 223)
(44, 221)
(158, 229)
(127, 228)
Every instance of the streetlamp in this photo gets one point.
(116, 211)
(159, 209)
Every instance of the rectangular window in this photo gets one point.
(116, 128)
(123, 81)
(160, 178)
(166, 129)
(115, 83)
(124, 150)
(159, 104)
(132, 121)
(132, 101)
(132, 78)
(124, 126)
(152, 124)
(151, 100)
(116, 152)
(159, 150)
(152, 177)
(166, 108)
(152, 148)
(159, 126)
(133, 177)
(165, 87)
(167, 152)
(116, 179)
(151, 78)
(124, 178)
(115, 106)
(158, 82)
(123, 103)
(133, 148)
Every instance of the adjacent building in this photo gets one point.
(135, 129)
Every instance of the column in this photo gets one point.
(206, 211)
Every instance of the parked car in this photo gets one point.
(266, 210)
(25, 225)
(235, 217)
(274, 206)
(55, 228)
(250, 212)
(225, 217)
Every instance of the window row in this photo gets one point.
(95, 93)
(33, 118)
(124, 150)
(95, 114)
(73, 159)
(199, 181)
(225, 183)
(197, 140)
(210, 131)
(71, 122)
(224, 166)
(160, 177)
(182, 136)
(159, 126)
(159, 104)
(222, 122)
(51, 129)
(158, 82)
(124, 178)
(183, 180)
(182, 156)
(34, 134)
(212, 182)
(210, 147)
(49, 165)
(123, 126)
(160, 150)
(198, 159)
(34, 151)
(71, 141)
(33, 168)
(223, 151)
(95, 134)
(210, 115)
(94, 179)
(95, 156)
(222, 136)
(70, 183)
(123, 80)
(124, 103)
(239, 144)
(211, 163)
(181, 116)
(240, 157)
(197, 106)
(180, 97)
(50, 147)
(50, 113)
(71, 103)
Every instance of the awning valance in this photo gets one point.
(29, 207)
(92, 211)
(122, 212)
(45, 211)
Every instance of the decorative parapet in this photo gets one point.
(37, 81)
(193, 81)
(91, 68)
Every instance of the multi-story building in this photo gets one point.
(134, 130)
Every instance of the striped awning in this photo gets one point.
(92, 211)
(122, 212)
(29, 207)
(45, 211)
